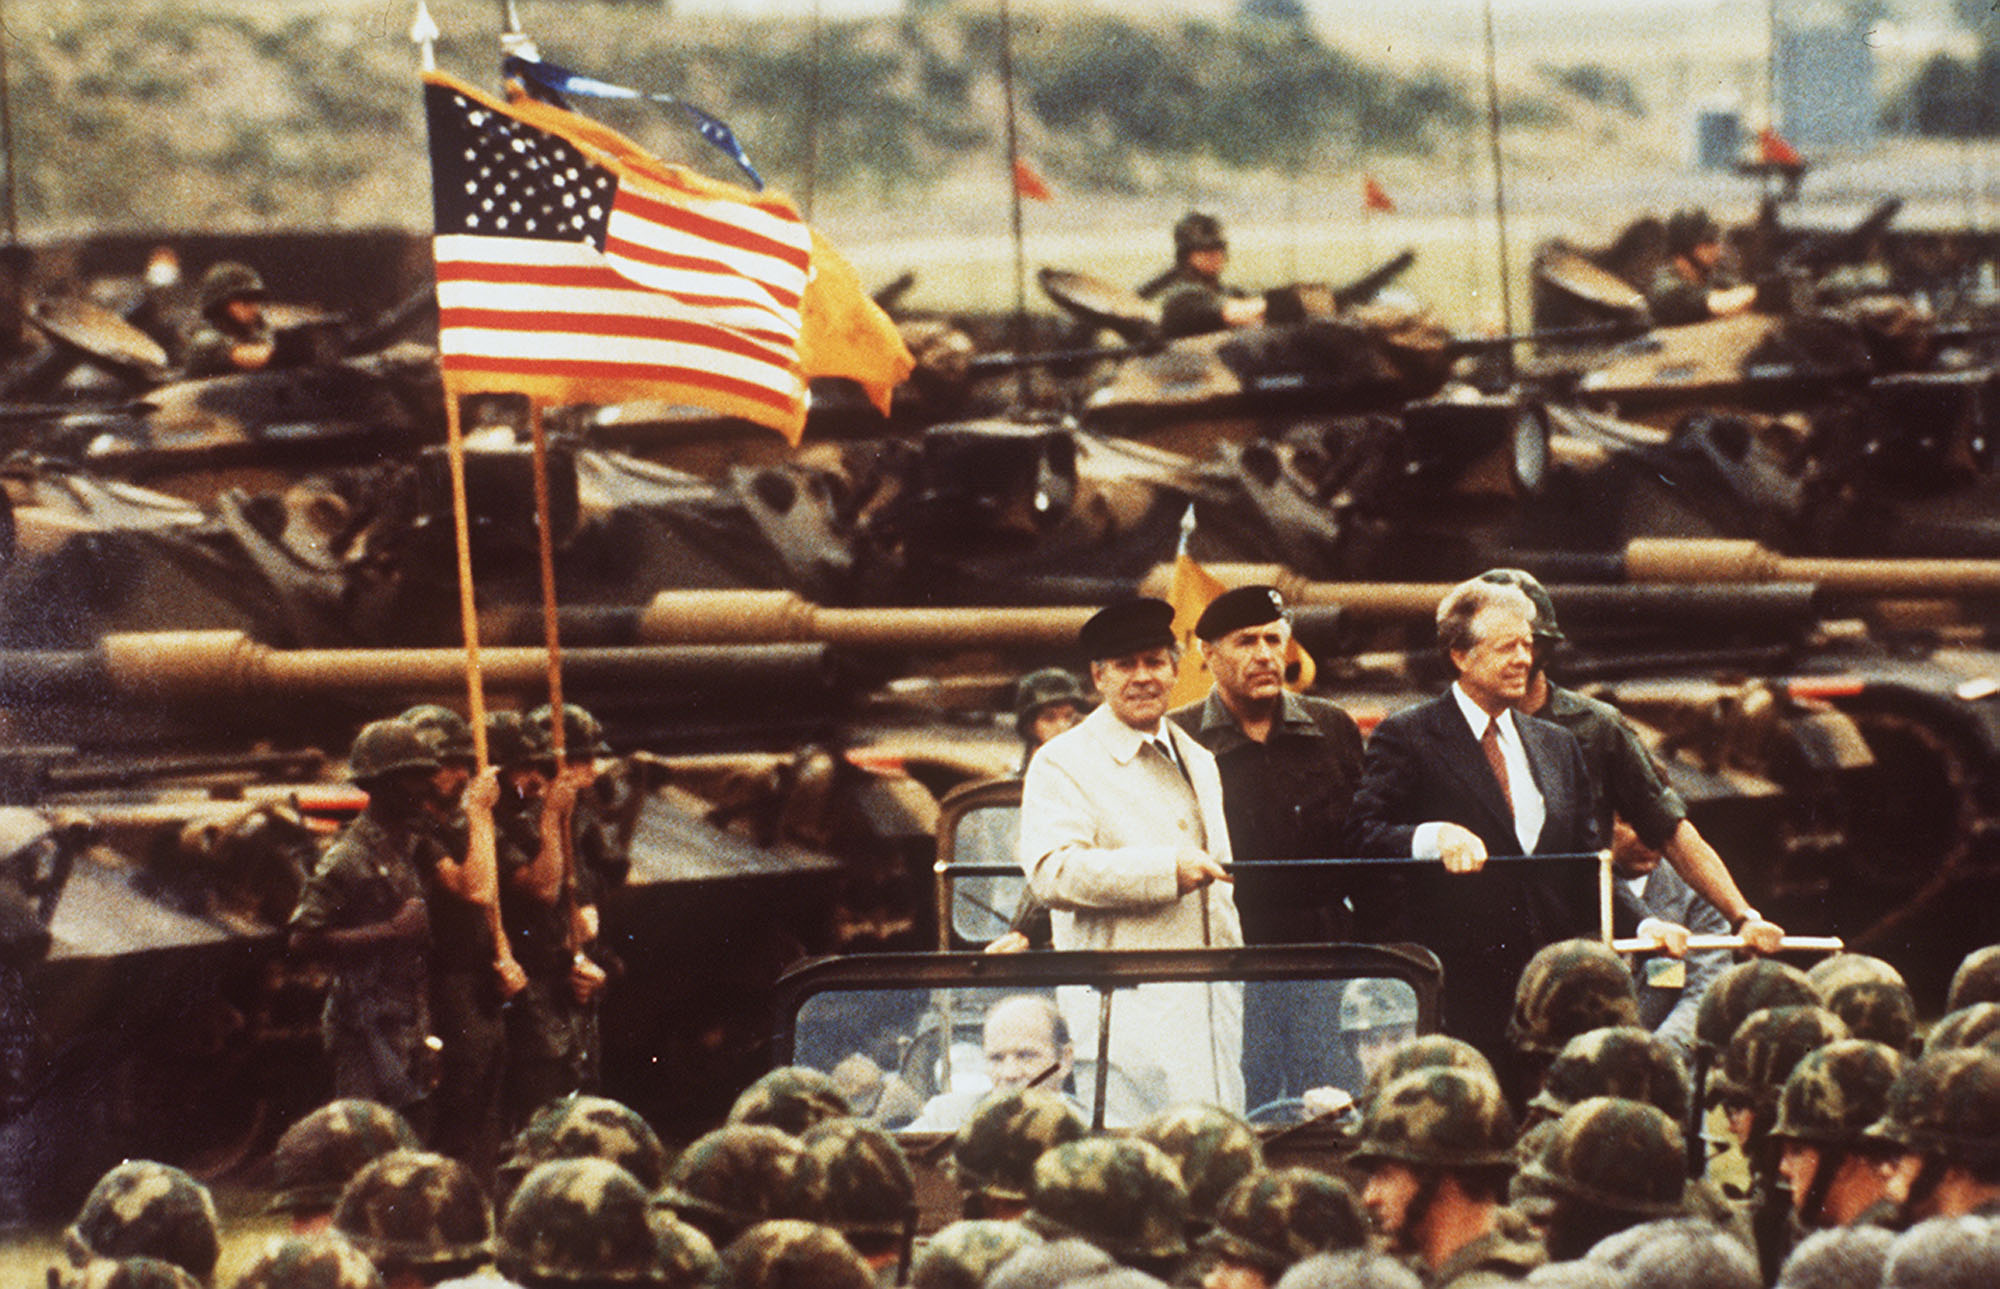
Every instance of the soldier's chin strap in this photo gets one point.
(1923, 1187)
(1418, 1210)
(1832, 1159)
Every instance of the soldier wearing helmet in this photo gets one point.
(1608, 1164)
(363, 911)
(1629, 787)
(791, 1254)
(1436, 1148)
(473, 971)
(421, 1218)
(580, 1224)
(325, 1260)
(1869, 996)
(317, 1156)
(964, 1254)
(791, 1098)
(993, 1156)
(1192, 297)
(1272, 1219)
(1833, 1171)
(549, 891)
(1212, 1148)
(1613, 1061)
(867, 1191)
(737, 1176)
(1568, 988)
(1119, 1193)
(1046, 703)
(1977, 979)
(1692, 285)
(1760, 1058)
(233, 335)
(1942, 1127)
(142, 1209)
(585, 1127)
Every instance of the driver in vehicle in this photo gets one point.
(1026, 1043)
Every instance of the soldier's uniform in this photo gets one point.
(378, 1011)
(211, 345)
(1504, 1255)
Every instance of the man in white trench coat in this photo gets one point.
(1123, 836)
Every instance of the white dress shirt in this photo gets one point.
(1530, 810)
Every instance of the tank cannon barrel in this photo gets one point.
(733, 617)
(1605, 607)
(1685, 560)
(184, 666)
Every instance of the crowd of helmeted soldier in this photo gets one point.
(1866, 1149)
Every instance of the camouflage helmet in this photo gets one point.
(1426, 1052)
(383, 748)
(318, 1154)
(587, 1127)
(1744, 988)
(962, 1255)
(1196, 231)
(735, 1177)
(1869, 995)
(130, 1273)
(1212, 1148)
(794, 1255)
(582, 735)
(1763, 1052)
(1977, 979)
(150, 1210)
(447, 730)
(1545, 627)
(1044, 688)
(579, 1221)
(1835, 1093)
(1845, 1257)
(1616, 1061)
(1119, 1193)
(1356, 1269)
(863, 1179)
(228, 280)
(1271, 1219)
(1615, 1154)
(1945, 1104)
(1944, 1253)
(1438, 1118)
(1376, 1002)
(994, 1152)
(414, 1209)
(510, 742)
(687, 1257)
(1568, 988)
(1966, 1027)
(791, 1098)
(322, 1261)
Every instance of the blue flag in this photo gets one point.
(549, 82)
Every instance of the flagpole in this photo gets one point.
(813, 88)
(1499, 192)
(1014, 191)
(545, 543)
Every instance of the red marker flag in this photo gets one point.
(1375, 197)
(1029, 182)
(1772, 150)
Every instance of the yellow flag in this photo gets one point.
(1192, 589)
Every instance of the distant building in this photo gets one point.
(1826, 77)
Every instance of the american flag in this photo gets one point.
(570, 274)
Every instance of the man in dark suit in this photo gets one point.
(1464, 777)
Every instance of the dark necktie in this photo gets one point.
(1489, 743)
(1166, 750)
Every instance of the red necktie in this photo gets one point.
(1489, 743)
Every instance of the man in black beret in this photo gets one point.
(1289, 765)
(1123, 836)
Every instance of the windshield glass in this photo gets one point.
(983, 907)
(919, 1058)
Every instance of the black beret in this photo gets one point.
(1128, 627)
(1246, 606)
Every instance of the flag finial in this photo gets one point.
(424, 35)
(515, 43)
(1187, 530)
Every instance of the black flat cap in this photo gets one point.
(1127, 627)
(1246, 606)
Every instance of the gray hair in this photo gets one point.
(1462, 603)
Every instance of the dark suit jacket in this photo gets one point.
(1424, 764)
